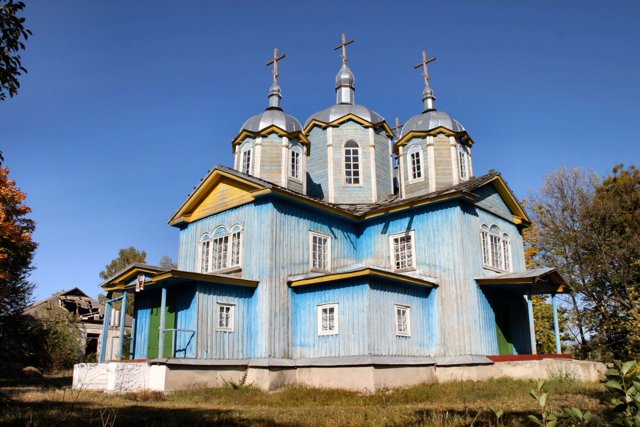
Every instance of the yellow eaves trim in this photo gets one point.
(269, 130)
(519, 215)
(345, 118)
(464, 136)
(179, 276)
(332, 277)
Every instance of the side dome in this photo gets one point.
(430, 120)
(272, 117)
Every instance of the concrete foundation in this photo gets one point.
(364, 374)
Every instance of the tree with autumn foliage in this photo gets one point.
(16, 254)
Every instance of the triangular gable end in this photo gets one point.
(515, 210)
(218, 192)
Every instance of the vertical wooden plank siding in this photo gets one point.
(186, 315)
(142, 311)
(343, 193)
(489, 199)
(317, 175)
(383, 160)
(215, 344)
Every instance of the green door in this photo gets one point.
(154, 327)
(503, 328)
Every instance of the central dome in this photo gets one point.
(340, 110)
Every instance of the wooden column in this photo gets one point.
(105, 329)
(532, 329)
(163, 309)
(123, 318)
(556, 326)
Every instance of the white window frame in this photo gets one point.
(230, 243)
(247, 148)
(407, 313)
(204, 263)
(410, 167)
(496, 249)
(295, 169)
(336, 317)
(356, 147)
(392, 252)
(312, 264)
(230, 326)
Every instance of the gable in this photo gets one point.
(218, 192)
(497, 198)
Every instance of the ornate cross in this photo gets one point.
(344, 45)
(274, 61)
(423, 64)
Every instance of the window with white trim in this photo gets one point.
(328, 319)
(496, 248)
(320, 251)
(463, 162)
(415, 164)
(403, 320)
(295, 163)
(226, 317)
(205, 251)
(246, 159)
(351, 163)
(403, 251)
(221, 250)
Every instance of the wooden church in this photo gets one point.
(337, 249)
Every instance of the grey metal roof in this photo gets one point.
(269, 117)
(340, 110)
(431, 120)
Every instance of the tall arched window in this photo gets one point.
(496, 248)
(351, 163)
(295, 162)
(463, 162)
(415, 163)
(246, 159)
(205, 251)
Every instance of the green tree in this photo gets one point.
(12, 32)
(126, 257)
(167, 263)
(61, 340)
(16, 254)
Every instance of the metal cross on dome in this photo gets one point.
(423, 64)
(397, 128)
(274, 61)
(344, 45)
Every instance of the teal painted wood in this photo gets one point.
(317, 175)
(352, 338)
(186, 320)
(518, 320)
(237, 344)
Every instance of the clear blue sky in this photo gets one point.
(127, 105)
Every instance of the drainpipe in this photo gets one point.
(556, 326)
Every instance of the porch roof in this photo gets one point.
(538, 281)
(359, 271)
(156, 275)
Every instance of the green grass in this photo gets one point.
(449, 404)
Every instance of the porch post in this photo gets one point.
(123, 318)
(556, 326)
(133, 337)
(532, 329)
(105, 328)
(163, 308)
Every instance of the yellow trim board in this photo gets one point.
(332, 277)
(464, 136)
(187, 275)
(519, 215)
(300, 135)
(345, 118)
(128, 275)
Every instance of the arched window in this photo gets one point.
(221, 250)
(295, 162)
(496, 248)
(246, 159)
(351, 163)
(415, 164)
(205, 251)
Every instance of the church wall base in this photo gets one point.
(167, 376)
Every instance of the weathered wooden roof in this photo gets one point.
(544, 280)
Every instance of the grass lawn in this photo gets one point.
(52, 403)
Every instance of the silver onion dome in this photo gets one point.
(273, 115)
(345, 77)
(430, 120)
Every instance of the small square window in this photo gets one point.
(320, 246)
(328, 319)
(403, 320)
(226, 314)
(403, 251)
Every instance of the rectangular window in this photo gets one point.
(328, 319)
(294, 172)
(506, 245)
(402, 251)
(225, 317)
(220, 252)
(416, 165)
(403, 320)
(320, 252)
(462, 160)
(351, 164)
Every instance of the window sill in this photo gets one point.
(399, 335)
(414, 181)
(404, 270)
(316, 270)
(230, 270)
(298, 180)
(324, 334)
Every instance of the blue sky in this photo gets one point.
(127, 105)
